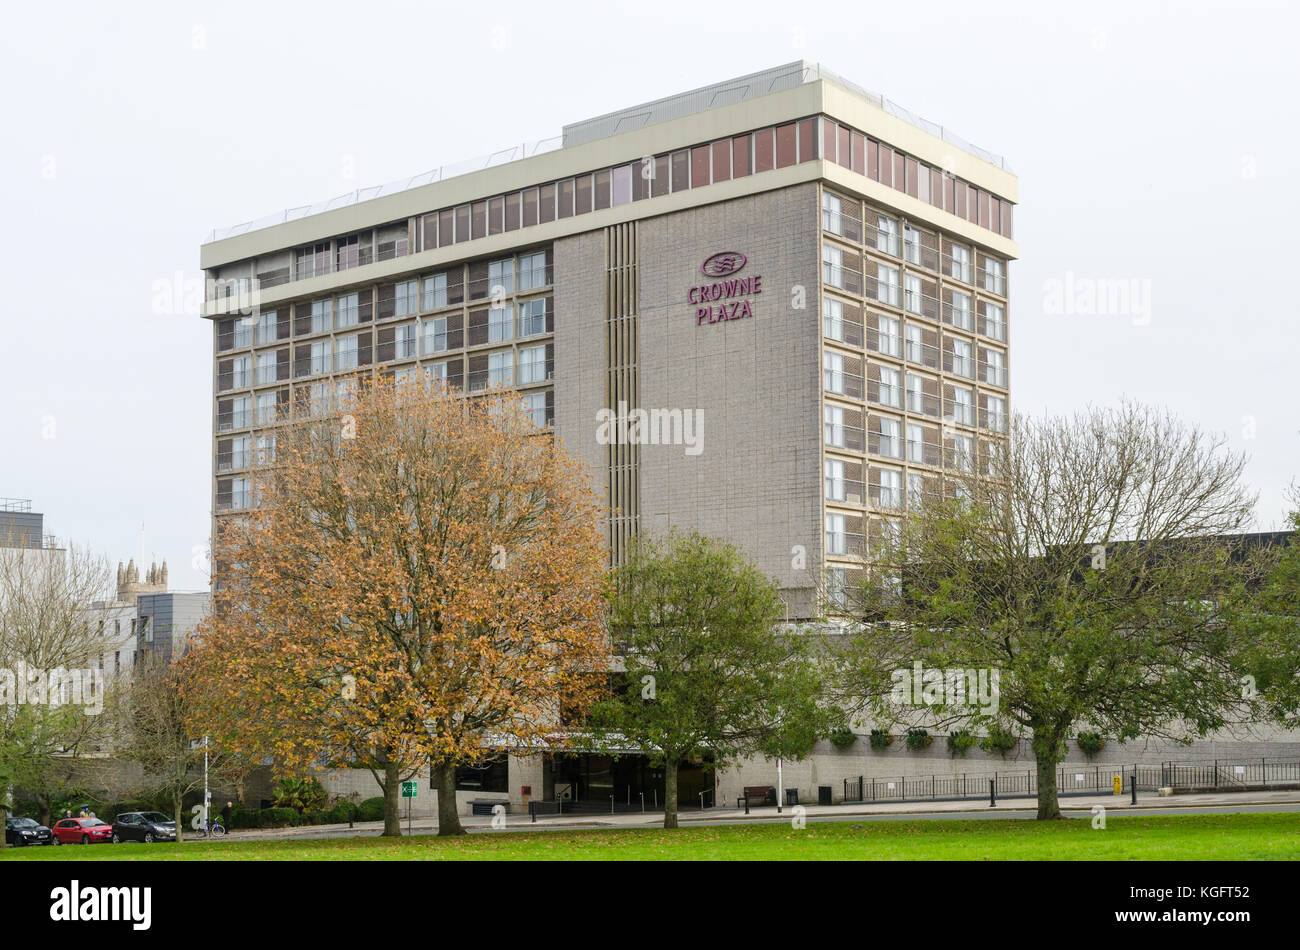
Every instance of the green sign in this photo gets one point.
(408, 789)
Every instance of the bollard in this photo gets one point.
(1133, 786)
(993, 793)
(746, 801)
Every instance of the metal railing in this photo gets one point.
(441, 173)
(20, 505)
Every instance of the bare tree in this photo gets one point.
(52, 702)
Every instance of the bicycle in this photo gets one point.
(215, 829)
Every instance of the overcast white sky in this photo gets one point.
(1155, 142)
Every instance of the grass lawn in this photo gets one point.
(1188, 837)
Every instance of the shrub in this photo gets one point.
(1090, 742)
(880, 740)
(372, 809)
(300, 794)
(998, 740)
(918, 739)
(843, 738)
(960, 741)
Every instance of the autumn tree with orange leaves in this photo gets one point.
(420, 582)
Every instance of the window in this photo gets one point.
(889, 441)
(347, 352)
(405, 302)
(891, 391)
(887, 285)
(266, 327)
(915, 343)
(267, 410)
(833, 424)
(535, 406)
(886, 235)
(243, 333)
(266, 448)
(836, 539)
(963, 406)
(890, 493)
(501, 277)
(532, 317)
(320, 357)
(434, 292)
(995, 324)
(994, 276)
(349, 252)
(912, 245)
(995, 368)
(832, 210)
(320, 316)
(404, 342)
(834, 480)
(242, 371)
(532, 271)
(890, 336)
(266, 367)
(963, 452)
(962, 363)
(239, 446)
(961, 312)
(501, 324)
(961, 263)
(915, 443)
(912, 293)
(241, 412)
(621, 183)
(997, 413)
(915, 489)
(833, 370)
(435, 335)
(349, 312)
(833, 319)
(500, 366)
(532, 365)
(240, 497)
(915, 393)
(833, 266)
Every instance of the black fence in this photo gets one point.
(1075, 780)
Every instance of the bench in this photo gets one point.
(485, 806)
(757, 795)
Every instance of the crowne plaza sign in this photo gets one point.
(729, 296)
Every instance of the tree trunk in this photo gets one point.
(392, 814)
(670, 793)
(177, 805)
(45, 812)
(1047, 755)
(444, 779)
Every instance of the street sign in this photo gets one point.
(409, 789)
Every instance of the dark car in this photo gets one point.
(81, 831)
(146, 826)
(20, 832)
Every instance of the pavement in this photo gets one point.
(1148, 804)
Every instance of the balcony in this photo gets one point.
(886, 497)
(842, 278)
(886, 446)
(914, 252)
(840, 383)
(842, 225)
(841, 436)
(995, 374)
(846, 491)
(923, 453)
(846, 544)
(843, 330)
(923, 354)
(885, 394)
(923, 403)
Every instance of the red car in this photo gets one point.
(81, 831)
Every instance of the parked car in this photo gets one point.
(82, 831)
(21, 832)
(146, 826)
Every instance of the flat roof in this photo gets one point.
(632, 118)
